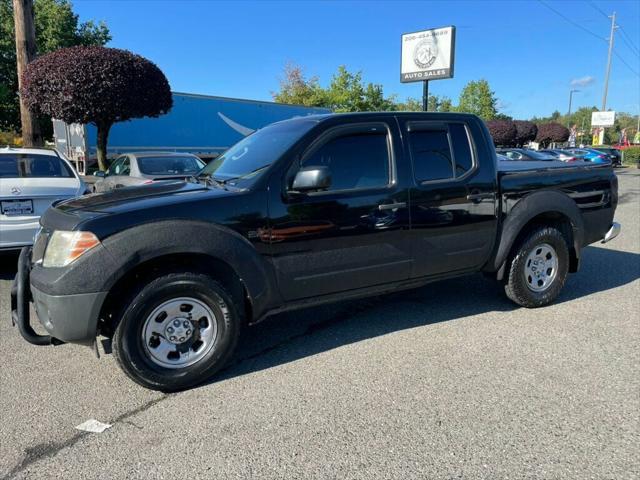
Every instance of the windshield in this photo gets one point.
(169, 165)
(28, 165)
(251, 156)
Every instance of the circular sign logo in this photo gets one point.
(16, 190)
(425, 53)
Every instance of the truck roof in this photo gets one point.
(363, 115)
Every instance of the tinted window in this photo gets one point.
(15, 165)
(461, 148)
(169, 165)
(355, 161)
(431, 155)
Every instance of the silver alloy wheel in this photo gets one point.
(541, 267)
(179, 332)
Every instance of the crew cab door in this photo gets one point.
(353, 234)
(453, 196)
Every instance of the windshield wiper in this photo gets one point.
(256, 170)
(209, 179)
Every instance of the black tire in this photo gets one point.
(517, 287)
(128, 348)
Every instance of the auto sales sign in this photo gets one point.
(428, 55)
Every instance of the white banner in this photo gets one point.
(603, 119)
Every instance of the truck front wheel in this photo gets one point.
(538, 268)
(176, 332)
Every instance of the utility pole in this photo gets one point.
(606, 77)
(26, 52)
(571, 92)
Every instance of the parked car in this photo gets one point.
(31, 179)
(614, 154)
(588, 155)
(559, 154)
(144, 168)
(303, 212)
(502, 158)
(524, 154)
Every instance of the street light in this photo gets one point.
(570, 99)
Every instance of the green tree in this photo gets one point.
(297, 89)
(346, 92)
(478, 98)
(57, 26)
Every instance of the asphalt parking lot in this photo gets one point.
(448, 381)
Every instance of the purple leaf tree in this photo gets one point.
(525, 132)
(96, 85)
(551, 132)
(503, 132)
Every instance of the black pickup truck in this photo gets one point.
(302, 212)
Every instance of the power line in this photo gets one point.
(593, 4)
(586, 30)
(623, 61)
(629, 42)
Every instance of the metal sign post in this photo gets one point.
(425, 96)
(427, 55)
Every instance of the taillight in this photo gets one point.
(147, 182)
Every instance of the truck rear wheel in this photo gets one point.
(176, 332)
(538, 268)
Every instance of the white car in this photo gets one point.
(31, 179)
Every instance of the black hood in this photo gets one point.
(106, 213)
(119, 197)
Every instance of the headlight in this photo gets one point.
(65, 247)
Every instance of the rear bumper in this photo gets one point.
(66, 318)
(612, 233)
(17, 235)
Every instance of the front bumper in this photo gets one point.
(67, 318)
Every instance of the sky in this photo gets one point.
(531, 52)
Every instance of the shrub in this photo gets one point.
(525, 132)
(503, 132)
(631, 156)
(551, 132)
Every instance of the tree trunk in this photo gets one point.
(103, 135)
(26, 52)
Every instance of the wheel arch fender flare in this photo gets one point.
(149, 241)
(537, 204)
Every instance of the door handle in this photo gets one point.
(478, 197)
(391, 206)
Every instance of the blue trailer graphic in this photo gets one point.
(203, 125)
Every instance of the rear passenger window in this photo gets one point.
(461, 148)
(358, 160)
(431, 155)
(440, 153)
